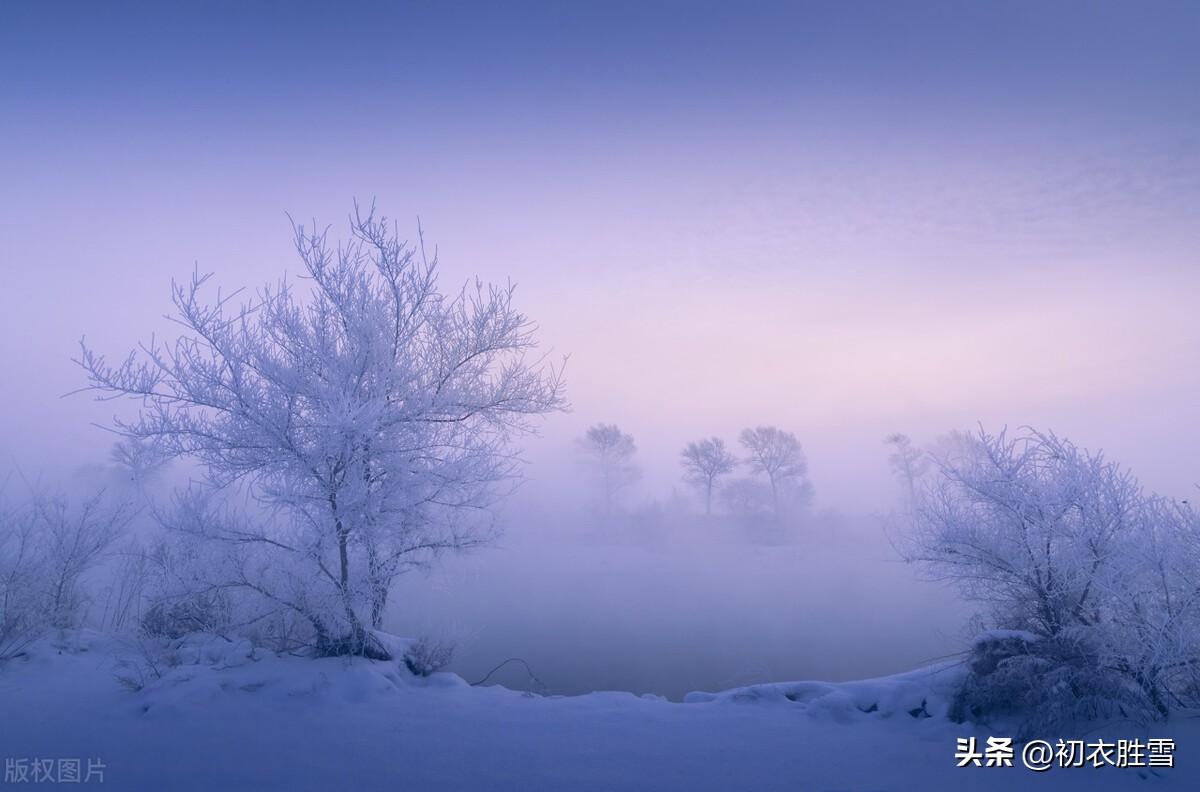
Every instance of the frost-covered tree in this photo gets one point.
(704, 463)
(1025, 524)
(1152, 636)
(611, 451)
(368, 417)
(48, 545)
(1099, 579)
(778, 455)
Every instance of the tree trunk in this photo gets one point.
(379, 598)
(380, 582)
(355, 636)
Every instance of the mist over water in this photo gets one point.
(671, 604)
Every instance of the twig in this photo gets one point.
(538, 682)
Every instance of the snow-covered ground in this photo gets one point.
(229, 717)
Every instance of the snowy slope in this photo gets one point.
(229, 717)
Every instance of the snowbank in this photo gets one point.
(924, 693)
(225, 715)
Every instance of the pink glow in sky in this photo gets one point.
(784, 218)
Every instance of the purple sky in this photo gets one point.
(844, 218)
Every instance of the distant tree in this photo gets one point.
(612, 452)
(777, 455)
(908, 462)
(704, 463)
(140, 461)
(369, 417)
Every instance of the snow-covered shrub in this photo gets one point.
(149, 660)
(176, 597)
(76, 537)
(1064, 545)
(1039, 684)
(426, 656)
(279, 631)
(22, 582)
(47, 547)
(124, 596)
(208, 612)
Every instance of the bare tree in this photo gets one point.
(908, 463)
(125, 593)
(612, 452)
(777, 455)
(22, 581)
(704, 463)
(47, 547)
(76, 539)
(369, 416)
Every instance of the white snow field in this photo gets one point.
(226, 716)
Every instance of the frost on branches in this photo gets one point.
(351, 426)
(1094, 583)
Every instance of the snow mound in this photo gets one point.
(172, 677)
(924, 693)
